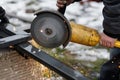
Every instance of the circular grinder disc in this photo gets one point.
(50, 29)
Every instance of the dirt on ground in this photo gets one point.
(15, 67)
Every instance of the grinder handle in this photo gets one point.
(117, 44)
(62, 10)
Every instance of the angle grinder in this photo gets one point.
(51, 29)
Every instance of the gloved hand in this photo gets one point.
(60, 3)
(3, 18)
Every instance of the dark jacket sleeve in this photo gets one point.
(2, 12)
(111, 14)
(3, 17)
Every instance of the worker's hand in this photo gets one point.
(60, 3)
(107, 41)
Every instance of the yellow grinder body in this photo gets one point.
(85, 35)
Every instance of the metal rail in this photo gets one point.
(20, 39)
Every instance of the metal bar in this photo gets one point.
(10, 37)
(2, 34)
(49, 61)
(20, 36)
(12, 40)
(12, 30)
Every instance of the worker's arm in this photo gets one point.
(111, 23)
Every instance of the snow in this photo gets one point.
(89, 14)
